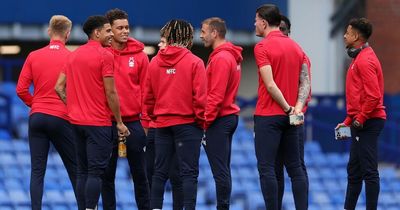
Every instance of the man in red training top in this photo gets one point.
(174, 177)
(90, 94)
(130, 66)
(175, 100)
(223, 79)
(283, 90)
(365, 114)
(48, 121)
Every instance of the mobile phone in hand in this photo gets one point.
(342, 133)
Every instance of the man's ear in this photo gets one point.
(214, 33)
(265, 23)
(97, 33)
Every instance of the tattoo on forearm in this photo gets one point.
(304, 85)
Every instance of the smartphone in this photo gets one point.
(296, 119)
(342, 133)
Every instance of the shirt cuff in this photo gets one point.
(348, 121)
(361, 118)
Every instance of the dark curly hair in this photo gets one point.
(178, 33)
(116, 14)
(93, 23)
(362, 25)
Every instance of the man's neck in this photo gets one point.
(118, 45)
(270, 29)
(218, 43)
(58, 38)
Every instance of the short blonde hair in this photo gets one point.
(60, 25)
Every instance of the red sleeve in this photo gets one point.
(107, 68)
(348, 121)
(145, 119)
(217, 79)
(261, 55)
(24, 81)
(367, 71)
(199, 92)
(148, 98)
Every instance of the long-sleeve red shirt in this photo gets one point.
(285, 58)
(223, 79)
(364, 88)
(130, 67)
(175, 88)
(42, 68)
(85, 70)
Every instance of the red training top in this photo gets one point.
(42, 67)
(86, 99)
(130, 67)
(285, 57)
(223, 79)
(364, 88)
(176, 88)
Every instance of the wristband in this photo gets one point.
(289, 110)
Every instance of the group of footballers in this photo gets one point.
(106, 91)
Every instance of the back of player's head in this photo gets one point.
(59, 25)
(270, 13)
(93, 23)
(362, 25)
(216, 23)
(116, 14)
(178, 33)
(287, 24)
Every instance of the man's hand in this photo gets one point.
(340, 125)
(357, 125)
(296, 119)
(122, 130)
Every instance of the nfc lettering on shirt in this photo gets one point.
(54, 47)
(171, 71)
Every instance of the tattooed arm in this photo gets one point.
(304, 88)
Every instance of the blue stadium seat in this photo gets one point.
(312, 172)
(21, 146)
(316, 186)
(19, 197)
(125, 197)
(6, 207)
(336, 160)
(4, 197)
(4, 134)
(22, 207)
(23, 157)
(255, 200)
(5, 147)
(320, 198)
(13, 183)
(332, 185)
(54, 196)
(312, 147)
(7, 158)
(69, 196)
(387, 199)
(60, 207)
